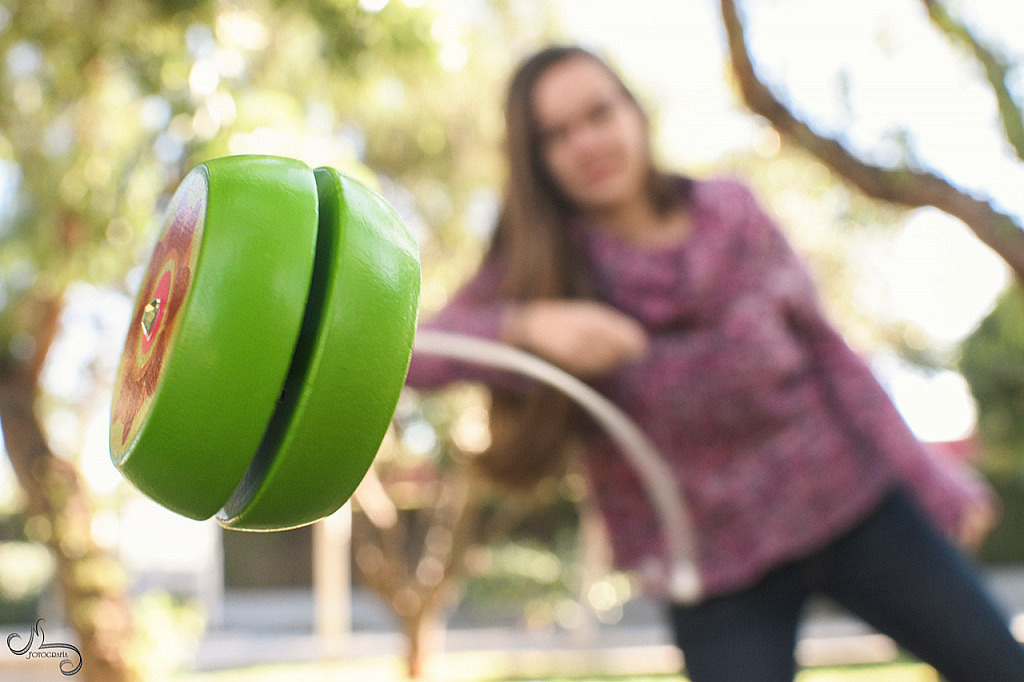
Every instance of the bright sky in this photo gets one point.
(864, 69)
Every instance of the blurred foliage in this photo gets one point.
(26, 572)
(991, 363)
(168, 632)
(98, 123)
(541, 584)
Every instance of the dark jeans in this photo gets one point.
(894, 571)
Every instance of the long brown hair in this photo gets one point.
(538, 261)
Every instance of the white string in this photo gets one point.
(661, 485)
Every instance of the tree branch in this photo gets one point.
(996, 72)
(902, 186)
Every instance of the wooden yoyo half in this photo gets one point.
(271, 337)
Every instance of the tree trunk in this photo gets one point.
(416, 588)
(423, 633)
(92, 583)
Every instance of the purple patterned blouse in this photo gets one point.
(777, 432)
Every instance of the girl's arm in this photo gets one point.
(475, 310)
(948, 490)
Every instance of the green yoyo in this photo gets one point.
(271, 337)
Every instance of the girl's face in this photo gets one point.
(593, 138)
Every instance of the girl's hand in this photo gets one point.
(586, 338)
(976, 524)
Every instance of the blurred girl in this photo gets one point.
(681, 301)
